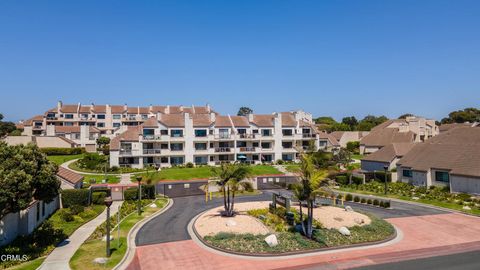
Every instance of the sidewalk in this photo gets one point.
(61, 255)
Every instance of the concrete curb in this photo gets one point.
(410, 202)
(192, 232)
(132, 234)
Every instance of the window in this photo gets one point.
(100, 116)
(255, 131)
(306, 131)
(176, 133)
(176, 146)
(254, 157)
(144, 116)
(50, 115)
(164, 132)
(164, 146)
(164, 160)
(176, 160)
(200, 146)
(241, 144)
(200, 133)
(76, 136)
(407, 173)
(84, 115)
(242, 131)
(101, 125)
(442, 176)
(148, 131)
(266, 132)
(287, 132)
(287, 157)
(287, 144)
(201, 160)
(68, 124)
(116, 125)
(69, 116)
(266, 145)
(117, 116)
(255, 144)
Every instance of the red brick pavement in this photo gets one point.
(423, 236)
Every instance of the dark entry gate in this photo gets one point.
(181, 188)
(275, 181)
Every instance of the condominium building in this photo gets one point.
(167, 140)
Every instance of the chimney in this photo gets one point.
(213, 117)
(208, 107)
(167, 109)
(59, 105)
(250, 117)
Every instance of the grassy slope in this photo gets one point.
(30, 265)
(199, 172)
(62, 159)
(70, 227)
(99, 177)
(90, 250)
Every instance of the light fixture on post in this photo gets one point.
(139, 206)
(385, 169)
(108, 203)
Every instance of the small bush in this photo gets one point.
(189, 165)
(356, 199)
(341, 179)
(369, 201)
(98, 197)
(66, 215)
(280, 162)
(386, 204)
(381, 204)
(375, 202)
(54, 151)
(72, 197)
(92, 161)
(76, 209)
(349, 197)
(363, 200)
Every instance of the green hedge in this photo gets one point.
(54, 151)
(72, 197)
(148, 192)
(98, 197)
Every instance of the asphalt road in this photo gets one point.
(461, 261)
(172, 225)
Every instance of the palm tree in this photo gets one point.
(231, 179)
(313, 183)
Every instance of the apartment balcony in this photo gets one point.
(308, 135)
(223, 150)
(52, 118)
(126, 152)
(223, 136)
(247, 149)
(152, 151)
(247, 136)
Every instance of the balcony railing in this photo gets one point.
(247, 149)
(222, 136)
(308, 135)
(222, 149)
(247, 136)
(151, 151)
(126, 152)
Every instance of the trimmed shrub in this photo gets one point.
(54, 151)
(98, 197)
(386, 204)
(363, 200)
(369, 201)
(148, 191)
(341, 179)
(375, 202)
(349, 197)
(189, 165)
(280, 162)
(381, 204)
(130, 194)
(65, 214)
(356, 199)
(357, 180)
(76, 209)
(72, 197)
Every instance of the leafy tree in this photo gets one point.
(244, 111)
(6, 127)
(313, 183)
(231, 179)
(103, 143)
(25, 174)
(405, 115)
(351, 121)
(322, 159)
(353, 146)
(327, 120)
(339, 127)
(92, 161)
(342, 157)
(462, 116)
(370, 121)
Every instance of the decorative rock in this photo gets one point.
(104, 239)
(359, 221)
(467, 208)
(271, 240)
(153, 205)
(349, 208)
(231, 223)
(100, 260)
(344, 231)
(415, 198)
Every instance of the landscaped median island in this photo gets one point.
(435, 196)
(256, 223)
(94, 247)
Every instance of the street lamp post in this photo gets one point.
(139, 206)
(385, 168)
(108, 203)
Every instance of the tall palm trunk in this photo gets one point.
(301, 219)
(309, 218)
(232, 203)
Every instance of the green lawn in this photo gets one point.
(88, 251)
(30, 265)
(112, 179)
(357, 156)
(68, 228)
(64, 158)
(294, 168)
(448, 205)
(198, 173)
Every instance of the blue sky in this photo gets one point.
(333, 58)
